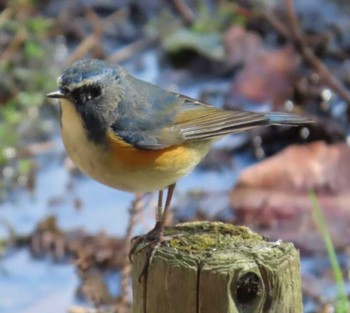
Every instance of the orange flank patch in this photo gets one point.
(175, 157)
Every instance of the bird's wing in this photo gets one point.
(197, 120)
(200, 121)
(153, 118)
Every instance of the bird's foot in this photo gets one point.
(153, 240)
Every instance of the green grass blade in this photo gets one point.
(342, 303)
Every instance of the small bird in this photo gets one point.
(134, 136)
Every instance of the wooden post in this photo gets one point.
(218, 268)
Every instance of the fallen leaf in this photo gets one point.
(272, 196)
(267, 78)
(241, 46)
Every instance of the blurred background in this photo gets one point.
(64, 238)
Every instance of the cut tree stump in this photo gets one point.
(218, 268)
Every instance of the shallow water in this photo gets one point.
(31, 286)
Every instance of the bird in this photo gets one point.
(134, 136)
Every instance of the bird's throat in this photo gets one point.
(80, 120)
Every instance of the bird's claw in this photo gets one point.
(149, 237)
(151, 248)
(152, 240)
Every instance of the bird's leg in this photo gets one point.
(159, 215)
(157, 233)
(155, 237)
(162, 217)
(159, 209)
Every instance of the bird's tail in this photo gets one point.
(284, 118)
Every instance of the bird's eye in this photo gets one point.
(85, 93)
(93, 92)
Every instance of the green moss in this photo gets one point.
(201, 237)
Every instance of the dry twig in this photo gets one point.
(130, 50)
(137, 205)
(14, 46)
(185, 11)
(297, 38)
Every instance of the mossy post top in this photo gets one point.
(215, 267)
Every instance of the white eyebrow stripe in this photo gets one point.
(83, 82)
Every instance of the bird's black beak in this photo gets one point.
(56, 95)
